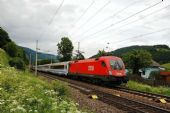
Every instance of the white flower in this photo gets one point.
(21, 108)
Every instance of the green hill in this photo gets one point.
(167, 66)
(3, 58)
(160, 53)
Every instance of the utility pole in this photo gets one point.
(51, 60)
(36, 56)
(78, 51)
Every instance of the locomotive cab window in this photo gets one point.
(103, 64)
(116, 64)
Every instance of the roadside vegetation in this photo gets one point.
(22, 92)
(147, 88)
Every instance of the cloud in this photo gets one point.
(28, 20)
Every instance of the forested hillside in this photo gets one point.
(160, 53)
(17, 57)
(41, 56)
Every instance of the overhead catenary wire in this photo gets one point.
(123, 19)
(112, 16)
(150, 14)
(86, 10)
(142, 35)
(53, 17)
(97, 12)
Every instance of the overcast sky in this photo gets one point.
(93, 23)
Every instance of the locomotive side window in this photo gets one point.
(103, 64)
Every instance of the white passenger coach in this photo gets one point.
(55, 68)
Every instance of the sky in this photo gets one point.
(96, 24)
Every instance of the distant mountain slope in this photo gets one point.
(41, 55)
(160, 53)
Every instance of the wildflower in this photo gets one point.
(21, 108)
(1, 103)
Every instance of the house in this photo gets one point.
(154, 67)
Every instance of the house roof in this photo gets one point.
(155, 64)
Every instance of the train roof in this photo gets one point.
(95, 59)
(59, 63)
(81, 61)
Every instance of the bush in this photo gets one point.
(62, 88)
(18, 63)
(4, 38)
(11, 49)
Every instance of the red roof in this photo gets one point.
(165, 73)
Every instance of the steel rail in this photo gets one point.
(132, 105)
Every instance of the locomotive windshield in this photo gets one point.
(116, 64)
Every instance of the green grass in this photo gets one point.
(22, 92)
(146, 88)
(3, 58)
(167, 66)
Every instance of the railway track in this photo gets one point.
(123, 103)
(144, 94)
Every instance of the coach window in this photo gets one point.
(103, 64)
(57, 67)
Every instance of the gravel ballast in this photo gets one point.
(84, 102)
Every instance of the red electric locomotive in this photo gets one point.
(107, 68)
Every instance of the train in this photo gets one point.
(105, 68)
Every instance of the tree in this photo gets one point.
(79, 56)
(65, 48)
(101, 53)
(11, 49)
(17, 62)
(137, 59)
(4, 38)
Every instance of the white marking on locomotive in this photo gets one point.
(90, 68)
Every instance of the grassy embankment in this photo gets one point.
(167, 66)
(22, 92)
(147, 88)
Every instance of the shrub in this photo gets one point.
(4, 38)
(18, 63)
(61, 88)
(11, 49)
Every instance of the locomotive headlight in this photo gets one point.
(110, 72)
